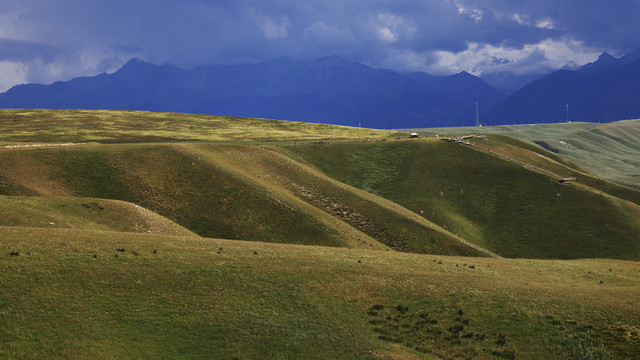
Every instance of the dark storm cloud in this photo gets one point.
(597, 23)
(16, 50)
(89, 36)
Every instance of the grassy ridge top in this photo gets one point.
(611, 151)
(201, 298)
(111, 126)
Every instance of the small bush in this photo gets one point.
(502, 340)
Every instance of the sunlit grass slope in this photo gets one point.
(611, 151)
(195, 194)
(83, 213)
(79, 294)
(497, 204)
(140, 126)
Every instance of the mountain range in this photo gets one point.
(334, 91)
(329, 90)
(605, 90)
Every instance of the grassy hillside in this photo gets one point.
(83, 213)
(227, 191)
(610, 151)
(74, 294)
(419, 196)
(496, 204)
(355, 245)
(198, 196)
(57, 126)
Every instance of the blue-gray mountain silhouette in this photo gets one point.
(603, 91)
(329, 90)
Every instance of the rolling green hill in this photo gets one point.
(84, 214)
(184, 236)
(499, 205)
(226, 191)
(610, 151)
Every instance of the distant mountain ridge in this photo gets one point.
(329, 90)
(332, 90)
(605, 90)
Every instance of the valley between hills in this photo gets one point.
(166, 235)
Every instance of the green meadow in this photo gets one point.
(610, 151)
(153, 235)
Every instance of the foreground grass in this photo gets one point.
(79, 294)
(111, 126)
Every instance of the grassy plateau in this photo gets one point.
(156, 235)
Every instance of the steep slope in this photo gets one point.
(508, 209)
(197, 195)
(329, 90)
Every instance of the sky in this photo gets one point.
(42, 41)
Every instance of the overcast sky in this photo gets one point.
(47, 40)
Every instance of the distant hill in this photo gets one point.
(612, 151)
(603, 91)
(329, 90)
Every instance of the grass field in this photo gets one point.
(185, 236)
(83, 214)
(501, 206)
(71, 294)
(610, 151)
(110, 126)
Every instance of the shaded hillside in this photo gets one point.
(496, 204)
(416, 196)
(209, 298)
(329, 90)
